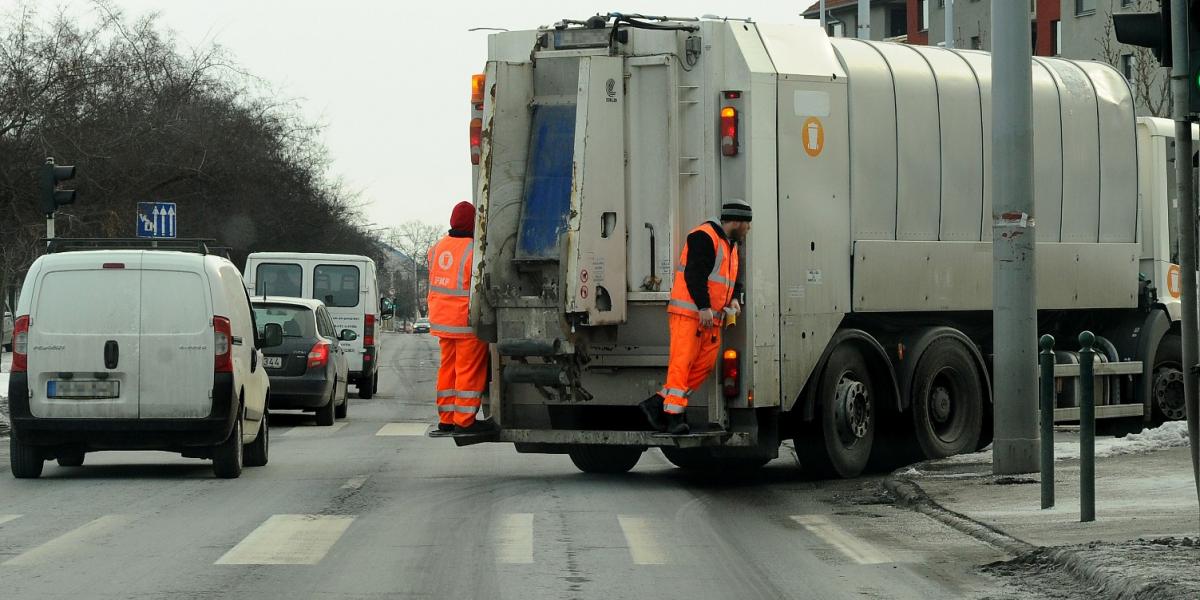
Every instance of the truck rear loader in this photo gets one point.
(868, 274)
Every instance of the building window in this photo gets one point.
(837, 29)
(1056, 37)
(1127, 66)
(1085, 7)
(1033, 37)
(1127, 3)
(924, 26)
(897, 22)
(976, 43)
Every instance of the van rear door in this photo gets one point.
(342, 286)
(84, 354)
(176, 338)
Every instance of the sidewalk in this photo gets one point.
(1144, 542)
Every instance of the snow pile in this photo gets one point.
(1172, 434)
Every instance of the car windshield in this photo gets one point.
(296, 321)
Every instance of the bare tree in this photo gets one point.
(1150, 83)
(415, 239)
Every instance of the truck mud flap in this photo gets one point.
(608, 438)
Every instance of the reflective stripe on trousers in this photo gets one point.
(463, 363)
(692, 358)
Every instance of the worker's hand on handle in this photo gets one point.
(736, 306)
(706, 318)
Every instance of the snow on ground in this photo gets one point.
(1168, 435)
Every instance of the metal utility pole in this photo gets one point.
(864, 19)
(949, 43)
(823, 24)
(1014, 322)
(1186, 194)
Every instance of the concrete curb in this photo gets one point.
(1097, 576)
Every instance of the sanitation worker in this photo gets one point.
(462, 375)
(706, 284)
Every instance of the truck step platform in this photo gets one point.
(603, 437)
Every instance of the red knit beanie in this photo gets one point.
(463, 217)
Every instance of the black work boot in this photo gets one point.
(445, 427)
(652, 407)
(484, 426)
(677, 424)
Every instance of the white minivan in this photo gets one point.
(137, 350)
(346, 283)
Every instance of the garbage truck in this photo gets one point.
(599, 143)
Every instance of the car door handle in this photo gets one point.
(112, 354)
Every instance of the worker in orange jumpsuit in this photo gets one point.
(462, 375)
(706, 284)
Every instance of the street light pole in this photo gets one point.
(949, 42)
(1014, 322)
(864, 19)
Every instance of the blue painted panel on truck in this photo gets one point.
(548, 182)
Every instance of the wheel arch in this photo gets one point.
(875, 356)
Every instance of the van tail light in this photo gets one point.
(20, 345)
(730, 382)
(319, 355)
(729, 131)
(369, 332)
(478, 81)
(222, 345)
(476, 140)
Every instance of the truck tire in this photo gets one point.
(837, 443)
(605, 459)
(366, 387)
(227, 456)
(1166, 388)
(326, 415)
(25, 460)
(70, 457)
(947, 399)
(258, 452)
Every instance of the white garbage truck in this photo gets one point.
(600, 143)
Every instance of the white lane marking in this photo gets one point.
(6, 518)
(354, 482)
(514, 539)
(639, 535)
(405, 429)
(288, 540)
(85, 539)
(854, 548)
(315, 430)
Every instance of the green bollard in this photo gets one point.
(1087, 428)
(1047, 420)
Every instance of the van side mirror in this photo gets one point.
(348, 336)
(272, 335)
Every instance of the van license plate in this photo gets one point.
(82, 389)
(273, 362)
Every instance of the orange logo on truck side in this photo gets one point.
(813, 134)
(1174, 285)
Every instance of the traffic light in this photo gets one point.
(1148, 30)
(52, 175)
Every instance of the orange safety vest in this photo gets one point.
(720, 279)
(450, 287)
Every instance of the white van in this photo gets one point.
(346, 283)
(137, 350)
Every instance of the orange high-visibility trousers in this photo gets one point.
(693, 355)
(462, 378)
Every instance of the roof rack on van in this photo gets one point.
(197, 245)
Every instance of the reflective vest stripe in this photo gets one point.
(459, 293)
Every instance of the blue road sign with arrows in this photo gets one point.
(156, 219)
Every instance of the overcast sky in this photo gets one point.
(389, 79)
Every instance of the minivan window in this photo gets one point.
(336, 285)
(173, 302)
(324, 327)
(296, 321)
(75, 302)
(278, 279)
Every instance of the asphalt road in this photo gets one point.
(372, 509)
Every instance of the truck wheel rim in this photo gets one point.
(943, 401)
(853, 410)
(1168, 393)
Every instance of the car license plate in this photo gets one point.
(273, 362)
(82, 389)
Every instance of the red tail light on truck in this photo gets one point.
(730, 378)
(729, 131)
(222, 345)
(476, 140)
(20, 344)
